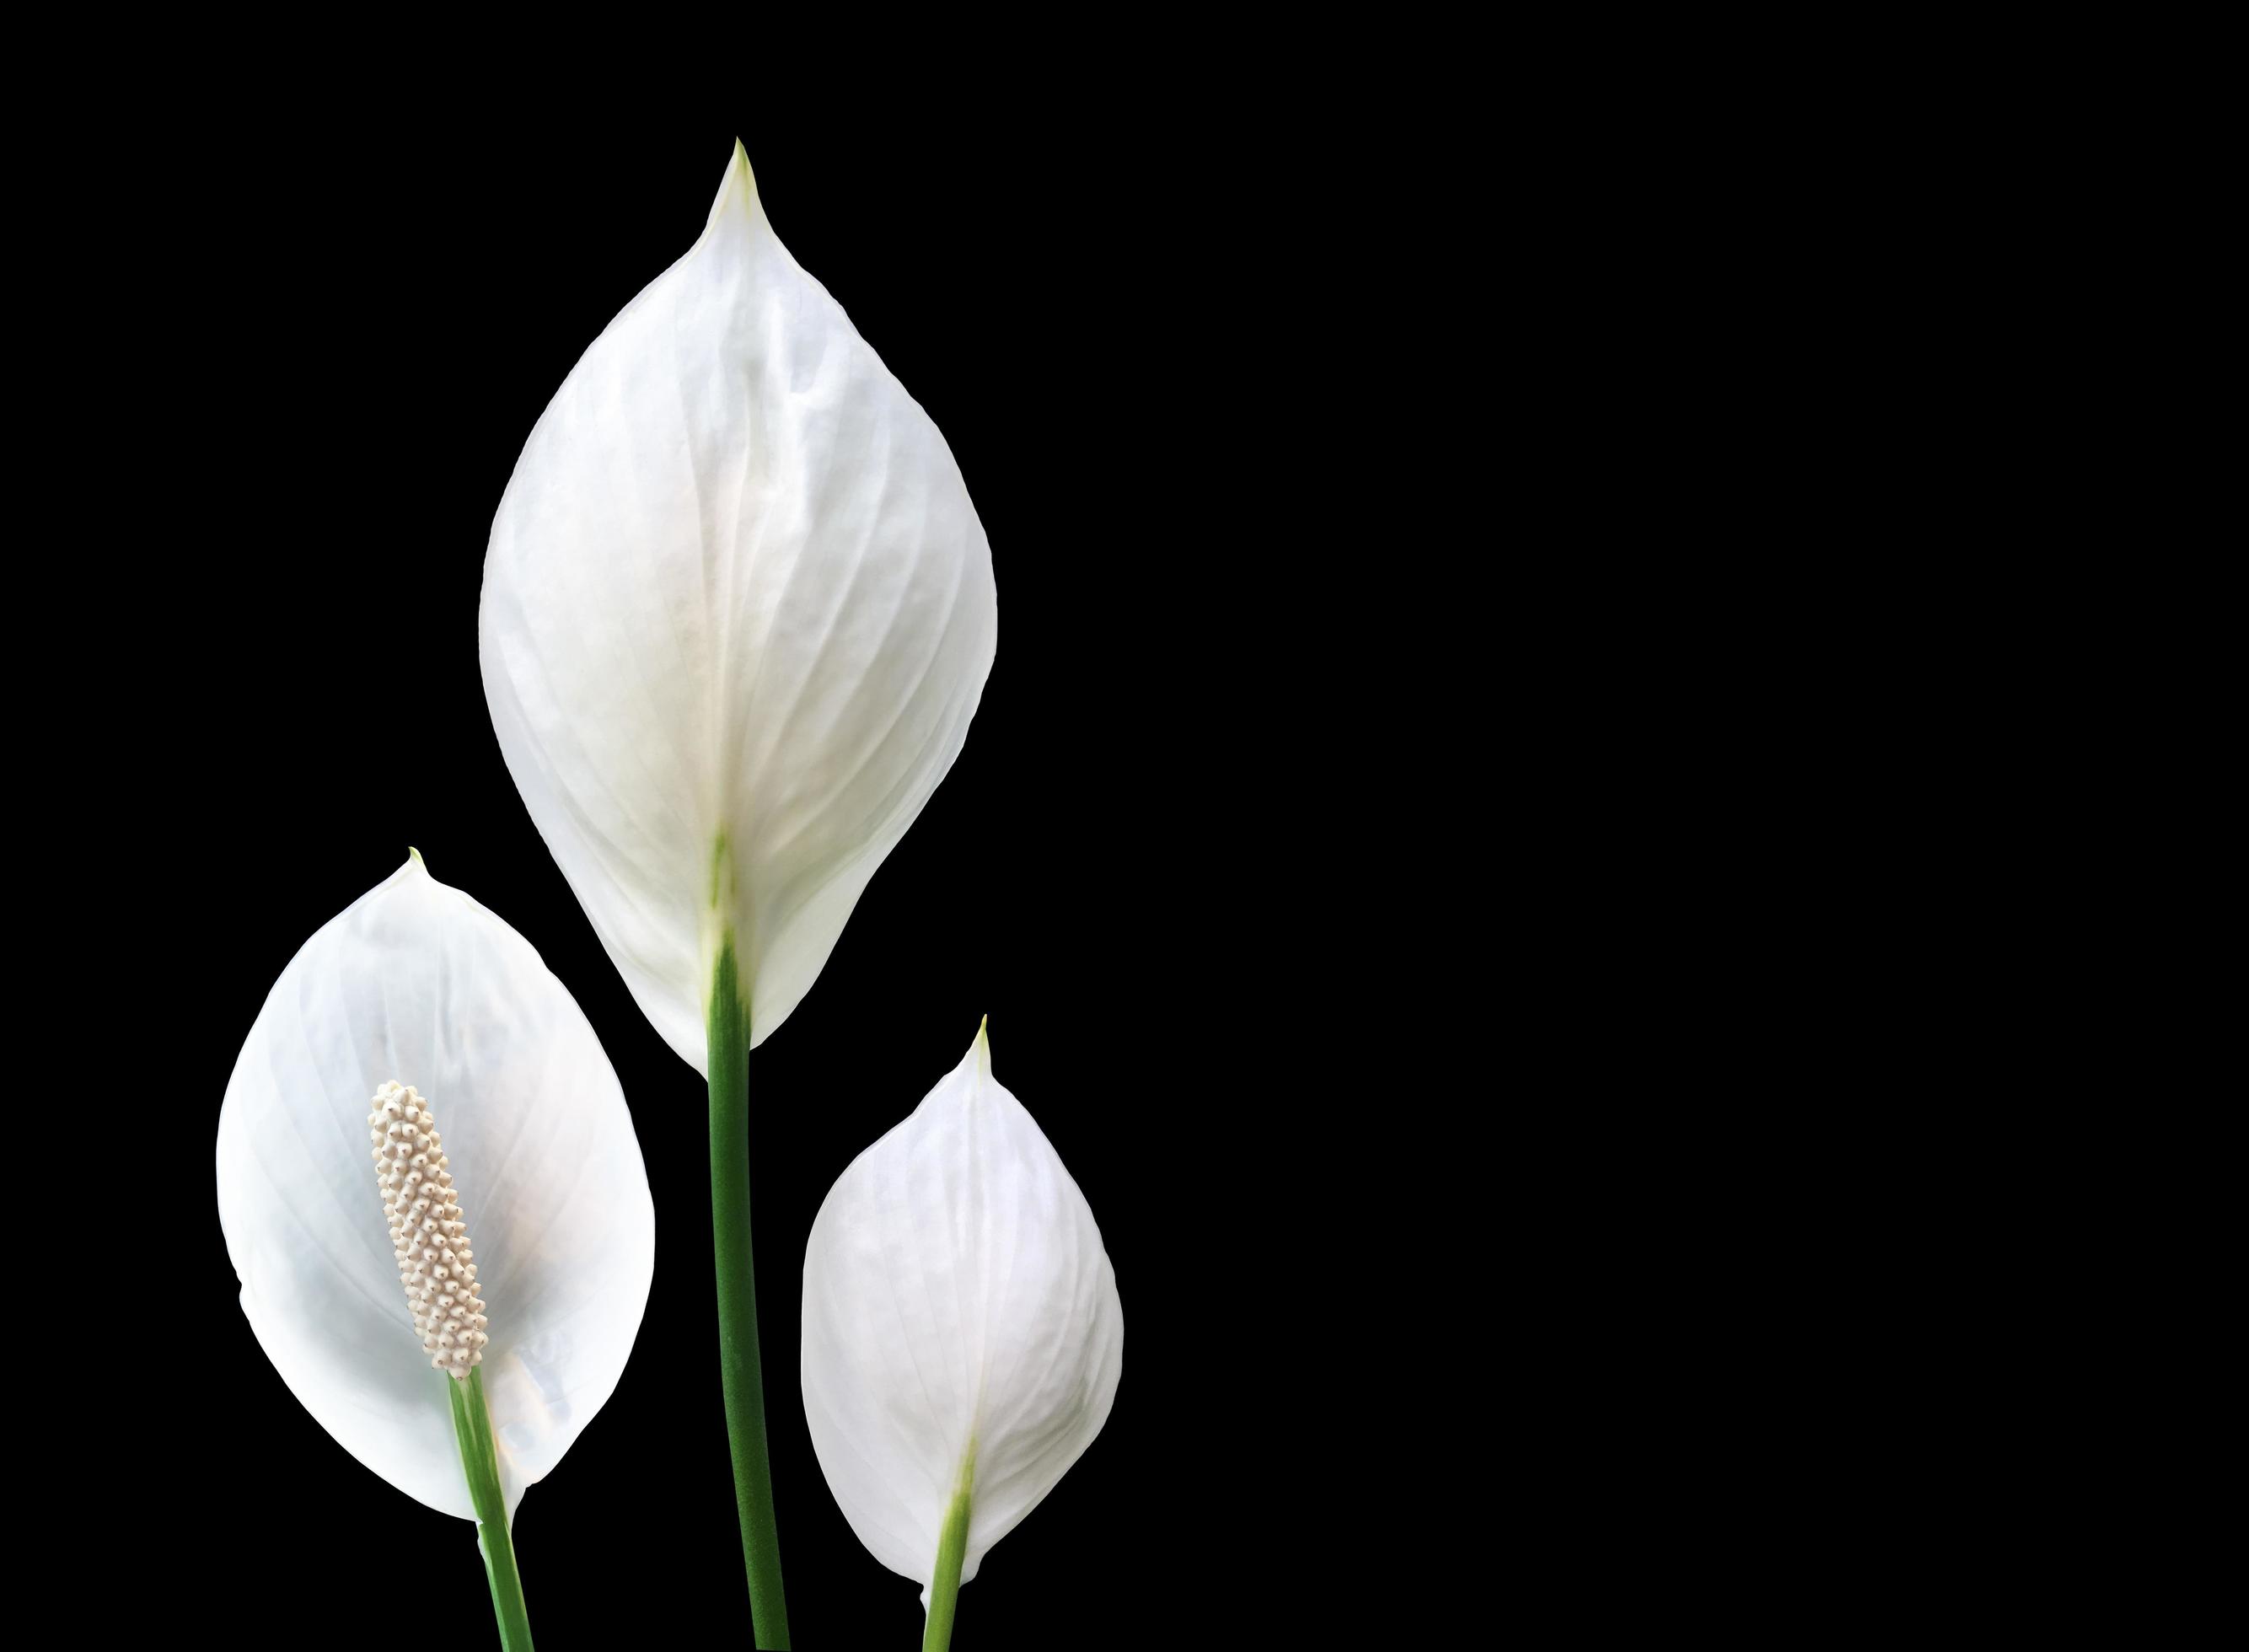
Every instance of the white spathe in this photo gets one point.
(417, 983)
(738, 611)
(957, 1298)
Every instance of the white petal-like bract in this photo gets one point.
(738, 611)
(958, 1303)
(417, 983)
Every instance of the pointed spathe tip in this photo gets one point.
(738, 191)
(414, 860)
(982, 1048)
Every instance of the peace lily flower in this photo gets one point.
(962, 1334)
(336, 1187)
(738, 611)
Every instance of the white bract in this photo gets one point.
(417, 984)
(738, 611)
(959, 1310)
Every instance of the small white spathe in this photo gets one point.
(957, 1301)
(415, 982)
(738, 611)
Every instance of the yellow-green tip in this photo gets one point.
(415, 856)
(737, 193)
(740, 163)
(983, 1048)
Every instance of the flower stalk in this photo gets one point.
(472, 1428)
(739, 1374)
(952, 1548)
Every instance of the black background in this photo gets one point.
(341, 348)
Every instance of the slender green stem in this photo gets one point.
(472, 1427)
(739, 1371)
(951, 1547)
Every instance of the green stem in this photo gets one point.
(472, 1428)
(739, 1371)
(952, 1545)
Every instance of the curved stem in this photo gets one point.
(739, 1371)
(472, 1428)
(951, 1547)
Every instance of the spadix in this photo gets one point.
(429, 1230)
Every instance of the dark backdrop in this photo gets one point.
(341, 339)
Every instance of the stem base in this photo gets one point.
(951, 1549)
(480, 1462)
(739, 1374)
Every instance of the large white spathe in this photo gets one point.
(417, 983)
(738, 611)
(958, 1303)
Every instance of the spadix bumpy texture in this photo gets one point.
(415, 980)
(960, 1313)
(427, 1233)
(738, 611)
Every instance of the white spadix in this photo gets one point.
(962, 1331)
(738, 611)
(428, 1229)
